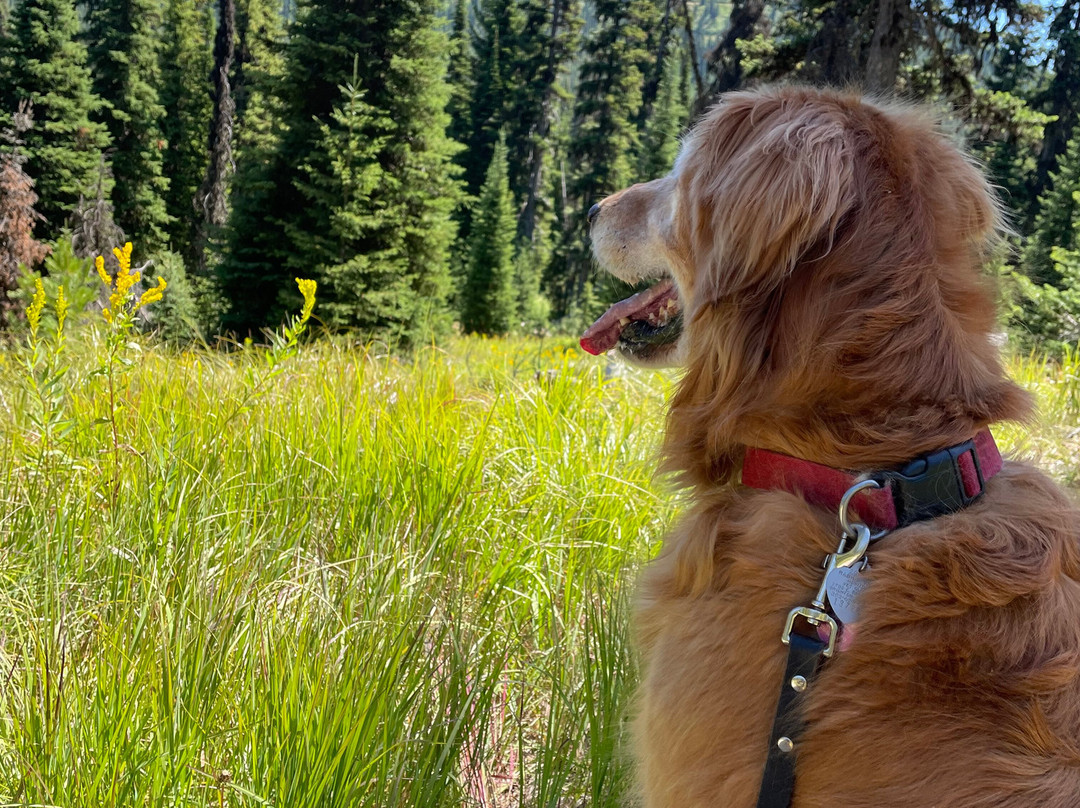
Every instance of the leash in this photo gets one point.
(933, 485)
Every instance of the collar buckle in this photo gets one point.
(933, 485)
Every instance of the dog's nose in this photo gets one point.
(595, 209)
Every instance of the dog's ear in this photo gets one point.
(772, 181)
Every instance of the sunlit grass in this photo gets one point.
(372, 581)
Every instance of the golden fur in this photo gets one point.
(828, 251)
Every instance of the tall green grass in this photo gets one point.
(368, 581)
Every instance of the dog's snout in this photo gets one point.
(595, 209)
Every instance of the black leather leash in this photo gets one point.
(805, 655)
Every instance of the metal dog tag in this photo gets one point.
(844, 586)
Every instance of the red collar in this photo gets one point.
(932, 485)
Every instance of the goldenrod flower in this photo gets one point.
(99, 263)
(61, 310)
(33, 312)
(152, 295)
(307, 289)
(107, 315)
(123, 257)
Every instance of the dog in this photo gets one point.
(818, 268)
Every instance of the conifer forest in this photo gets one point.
(430, 162)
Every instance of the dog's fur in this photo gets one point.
(828, 251)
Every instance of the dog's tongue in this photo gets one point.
(603, 335)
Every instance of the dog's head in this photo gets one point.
(818, 263)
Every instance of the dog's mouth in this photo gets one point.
(643, 326)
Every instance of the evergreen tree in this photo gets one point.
(399, 72)
(1062, 92)
(343, 179)
(498, 25)
(185, 95)
(604, 137)
(124, 40)
(258, 76)
(1056, 221)
(660, 140)
(490, 299)
(48, 69)
(459, 75)
(548, 44)
(258, 69)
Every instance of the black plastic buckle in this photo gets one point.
(933, 484)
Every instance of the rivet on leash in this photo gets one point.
(785, 744)
(798, 683)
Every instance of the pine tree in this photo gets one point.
(18, 218)
(1057, 219)
(49, 69)
(185, 95)
(494, 83)
(604, 137)
(342, 179)
(258, 78)
(490, 299)
(660, 140)
(400, 74)
(258, 69)
(124, 39)
(548, 44)
(459, 75)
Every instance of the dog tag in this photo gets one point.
(844, 586)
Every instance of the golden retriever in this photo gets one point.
(819, 260)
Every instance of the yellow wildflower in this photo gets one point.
(152, 295)
(99, 263)
(123, 257)
(307, 289)
(107, 315)
(33, 312)
(61, 310)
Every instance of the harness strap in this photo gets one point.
(805, 655)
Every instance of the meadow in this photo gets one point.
(333, 575)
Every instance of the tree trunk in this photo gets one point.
(652, 83)
(1062, 93)
(688, 24)
(833, 55)
(538, 143)
(886, 45)
(211, 200)
(724, 61)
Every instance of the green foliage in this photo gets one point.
(342, 184)
(1056, 221)
(48, 68)
(63, 269)
(490, 303)
(187, 39)
(1048, 316)
(399, 71)
(660, 139)
(124, 46)
(177, 319)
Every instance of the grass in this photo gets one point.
(357, 580)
